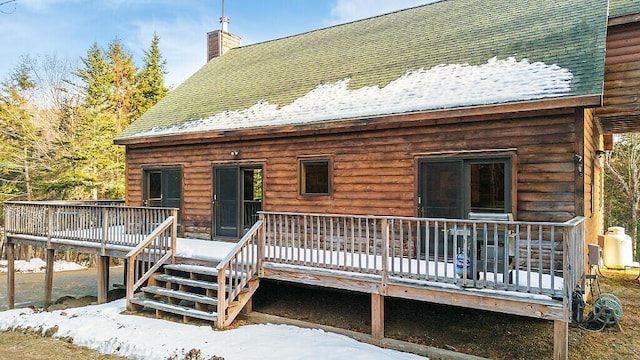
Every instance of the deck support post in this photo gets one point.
(377, 316)
(560, 340)
(11, 275)
(48, 276)
(103, 279)
(248, 307)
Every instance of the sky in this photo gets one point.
(67, 29)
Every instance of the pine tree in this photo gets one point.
(150, 79)
(104, 82)
(123, 85)
(18, 138)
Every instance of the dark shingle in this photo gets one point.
(378, 50)
(623, 7)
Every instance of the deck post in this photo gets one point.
(385, 254)
(174, 234)
(11, 275)
(130, 269)
(48, 276)
(105, 233)
(377, 316)
(49, 226)
(560, 340)
(103, 279)
(262, 238)
(222, 297)
(248, 307)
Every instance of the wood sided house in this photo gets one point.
(446, 153)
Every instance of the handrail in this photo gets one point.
(240, 266)
(233, 252)
(138, 249)
(165, 249)
(412, 218)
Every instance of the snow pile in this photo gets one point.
(441, 87)
(103, 328)
(38, 265)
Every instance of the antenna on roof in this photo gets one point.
(224, 21)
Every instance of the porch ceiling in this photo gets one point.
(620, 124)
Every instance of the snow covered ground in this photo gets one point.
(104, 328)
(38, 265)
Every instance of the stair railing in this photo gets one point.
(150, 254)
(235, 271)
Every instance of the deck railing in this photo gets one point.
(531, 257)
(103, 223)
(235, 272)
(149, 255)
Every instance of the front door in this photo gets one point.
(163, 188)
(440, 197)
(237, 199)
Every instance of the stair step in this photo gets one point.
(175, 309)
(197, 298)
(198, 269)
(202, 270)
(189, 282)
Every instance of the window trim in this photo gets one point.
(328, 159)
(509, 156)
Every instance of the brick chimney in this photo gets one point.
(220, 41)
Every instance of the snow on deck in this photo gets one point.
(368, 265)
(441, 87)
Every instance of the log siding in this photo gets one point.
(621, 108)
(374, 170)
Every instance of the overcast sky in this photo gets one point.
(67, 28)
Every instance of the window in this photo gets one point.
(315, 177)
(487, 190)
(455, 187)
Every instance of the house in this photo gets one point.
(352, 119)
(446, 153)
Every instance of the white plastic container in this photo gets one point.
(618, 249)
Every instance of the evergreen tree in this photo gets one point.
(104, 82)
(19, 139)
(95, 77)
(60, 123)
(123, 85)
(150, 79)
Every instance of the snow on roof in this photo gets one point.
(440, 87)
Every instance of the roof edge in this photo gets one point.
(379, 121)
(625, 19)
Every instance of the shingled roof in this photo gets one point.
(446, 55)
(619, 8)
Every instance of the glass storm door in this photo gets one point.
(237, 200)
(225, 202)
(440, 197)
(163, 188)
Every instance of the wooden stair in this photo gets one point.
(190, 291)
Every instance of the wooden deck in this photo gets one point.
(528, 269)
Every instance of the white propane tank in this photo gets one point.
(618, 250)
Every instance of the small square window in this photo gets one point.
(314, 177)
